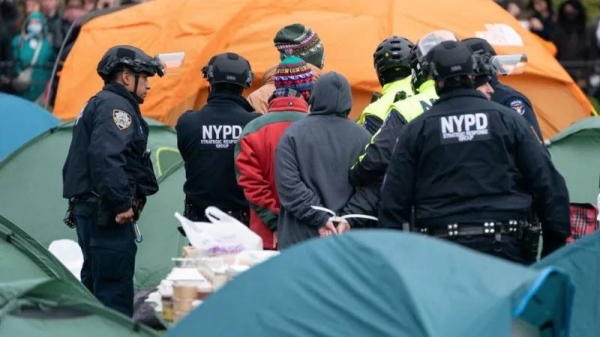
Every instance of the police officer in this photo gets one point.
(504, 94)
(392, 64)
(468, 167)
(484, 76)
(207, 138)
(373, 163)
(108, 175)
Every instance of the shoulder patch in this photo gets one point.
(122, 119)
(517, 105)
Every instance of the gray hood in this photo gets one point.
(331, 95)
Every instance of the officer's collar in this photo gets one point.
(426, 85)
(222, 96)
(120, 90)
(396, 85)
(454, 93)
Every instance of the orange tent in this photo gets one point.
(350, 31)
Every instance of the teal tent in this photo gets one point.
(31, 193)
(46, 307)
(576, 155)
(384, 283)
(22, 120)
(581, 260)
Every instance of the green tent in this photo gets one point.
(23, 258)
(581, 260)
(384, 283)
(46, 307)
(31, 193)
(576, 154)
(158, 225)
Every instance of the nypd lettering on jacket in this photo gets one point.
(220, 136)
(464, 128)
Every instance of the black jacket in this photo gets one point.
(511, 98)
(206, 140)
(487, 173)
(311, 164)
(108, 155)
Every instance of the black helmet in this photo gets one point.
(229, 68)
(392, 55)
(451, 59)
(130, 57)
(477, 44)
(419, 65)
(485, 70)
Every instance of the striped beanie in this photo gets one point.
(300, 41)
(294, 73)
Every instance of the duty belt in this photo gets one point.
(88, 197)
(510, 227)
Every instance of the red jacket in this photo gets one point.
(255, 163)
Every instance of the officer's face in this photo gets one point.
(143, 83)
(486, 89)
(143, 86)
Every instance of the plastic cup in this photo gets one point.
(184, 290)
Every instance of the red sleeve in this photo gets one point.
(252, 180)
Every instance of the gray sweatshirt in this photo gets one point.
(312, 161)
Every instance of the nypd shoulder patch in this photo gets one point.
(517, 105)
(122, 119)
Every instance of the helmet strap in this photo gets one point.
(135, 87)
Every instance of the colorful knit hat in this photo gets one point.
(300, 41)
(294, 73)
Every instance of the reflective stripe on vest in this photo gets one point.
(413, 107)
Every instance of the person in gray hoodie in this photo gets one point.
(311, 166)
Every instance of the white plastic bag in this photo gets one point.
(223, 235)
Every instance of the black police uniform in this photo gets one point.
(515, 100)
(206, 141)
(107, 162)
(469, 166)
(472, 161)
(107, 171)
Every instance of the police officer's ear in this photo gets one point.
(127, 77)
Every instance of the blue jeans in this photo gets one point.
(108, 258)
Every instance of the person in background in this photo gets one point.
(541, 21)
(206, 139)
(311, 166)
(296, 40)
(57, 25)
(89, 5)
(31, 6)
(571, 37)
(32, 50)
(391, 60)
(8, 18)
(255, 151)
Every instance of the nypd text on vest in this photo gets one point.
(221, 136)
(462, 128)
